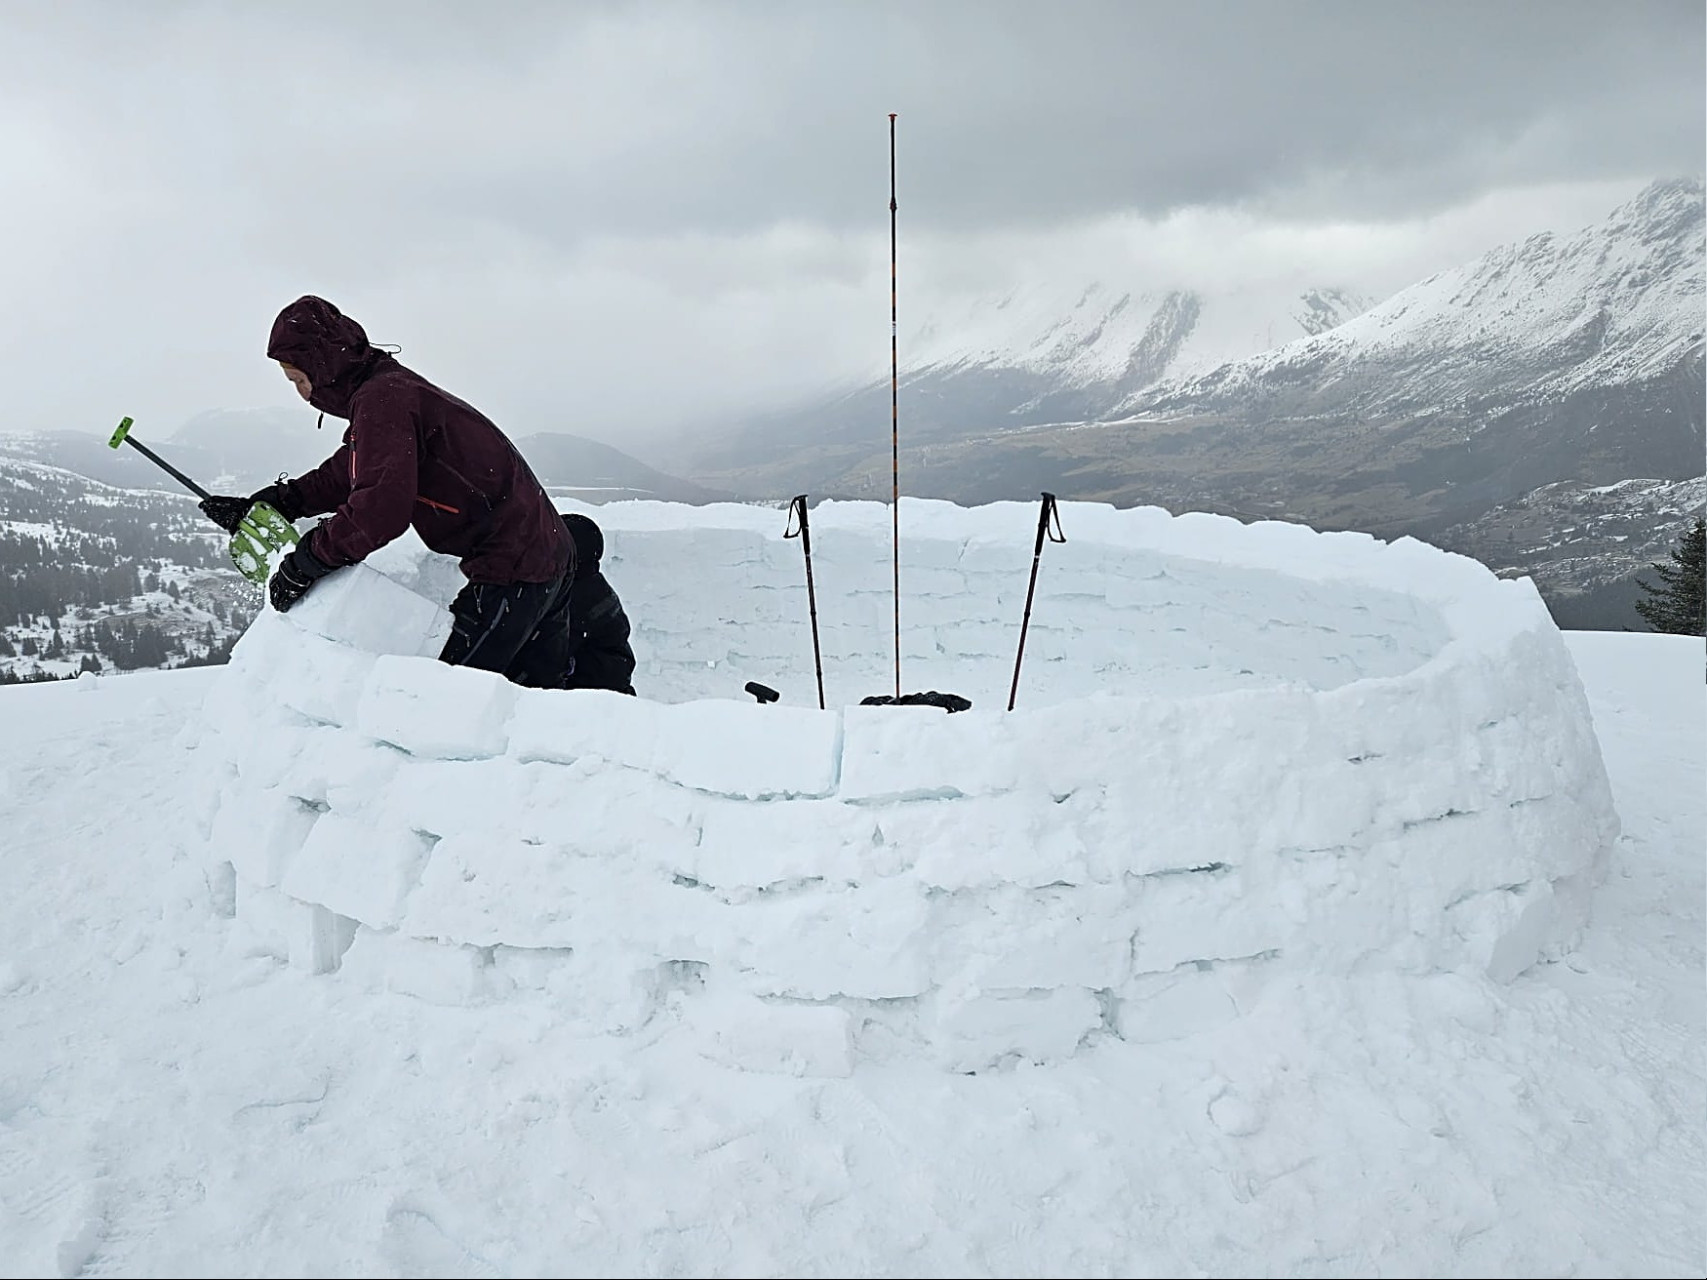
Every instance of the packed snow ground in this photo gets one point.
(170, 1105)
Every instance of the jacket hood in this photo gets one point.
(332, 349)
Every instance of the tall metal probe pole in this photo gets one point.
(894, 408)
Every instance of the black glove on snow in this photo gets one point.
(297, 572)
(225, 512)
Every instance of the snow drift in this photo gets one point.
(1320, 752)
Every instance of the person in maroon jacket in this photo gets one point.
(416, 455)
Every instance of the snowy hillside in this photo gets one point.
(1586, 546)
(96, 577)
(322, 963)
(239, 450)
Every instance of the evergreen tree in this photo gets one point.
(1678, 605)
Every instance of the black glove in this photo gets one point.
(225, 512)
(228, 513)
(274, 496)
(297, 572)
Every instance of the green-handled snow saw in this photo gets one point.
(261, 535)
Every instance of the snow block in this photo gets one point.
(977, 1030)
(1188, 916)
(358, 870)
(360, 607)
(783, 1039)
(436, 711)
(321, 679)
(438, 973)
(484, 891)
(907, 752)
(305, 934)
(744, 848)
(259, 835)
(724, 747)
(1019, 939)
(747, 750)
(1156, 1007)
(869, 942)
(1506, 930)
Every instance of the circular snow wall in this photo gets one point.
(1236, 749)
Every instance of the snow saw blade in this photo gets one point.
(260, 537)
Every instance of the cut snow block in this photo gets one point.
(978, 1029)
(1018, 939)
(307, 935)
(259, 832)
(1506, 930)
(724, 747)
(907, 752)
(1156, 1007)
(786, 1039)
(1021, 839)
(765, 846)
(565, 726)
(321, 679)
(361, 607)
(357, 869)
(749, 751)
(1186, 916)
(870, 942)
(434, 972)
(437, 711)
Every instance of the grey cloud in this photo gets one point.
(563, 121)
(569, 201)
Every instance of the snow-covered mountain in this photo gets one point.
(1617, 304)
(1558, 357)
(1047, 352)
(1572, 360)
(1072, 353)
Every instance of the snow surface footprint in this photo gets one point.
(51, 1218)
(414, 1241)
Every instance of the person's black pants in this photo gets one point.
(518, 629)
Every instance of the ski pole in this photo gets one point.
(804, 533)
(1044, 517)
(123, 436)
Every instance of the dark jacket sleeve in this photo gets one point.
(318, 491)
(383, 477)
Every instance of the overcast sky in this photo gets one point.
(624, 219)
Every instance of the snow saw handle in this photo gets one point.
(123, 436)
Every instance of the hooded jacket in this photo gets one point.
(413, 455)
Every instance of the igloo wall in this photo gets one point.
(1237, 749)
